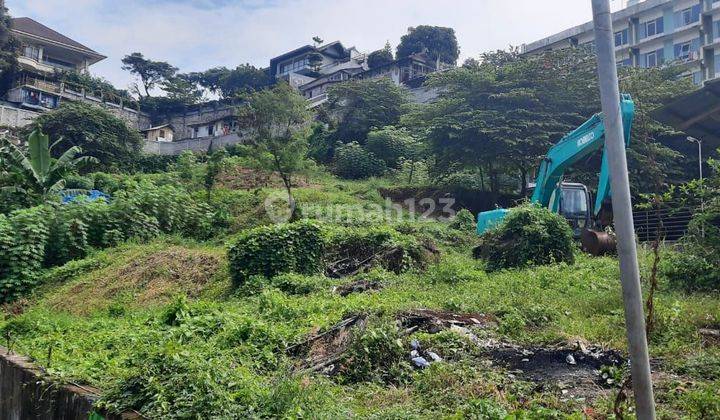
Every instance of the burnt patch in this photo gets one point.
(359, 286)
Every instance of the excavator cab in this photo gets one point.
(575, 206)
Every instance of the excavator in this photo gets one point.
(572, 200)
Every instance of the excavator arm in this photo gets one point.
(574, 147)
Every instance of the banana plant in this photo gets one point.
(40, 174)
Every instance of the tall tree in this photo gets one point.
(8, 50)
(439, 42)
(359, 105)
(182, 89)
(502, 114)
(380, 57)
(279, 119)
(149, 72)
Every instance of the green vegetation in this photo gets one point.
(439, 42)
(38, 176)
(99, 133)
(529, 235)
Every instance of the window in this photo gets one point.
(211, 130)
(686, 17)
(31, 51)
(651, 59)
(162, 134)
(682, 51)
(621, 37)
(652, 28)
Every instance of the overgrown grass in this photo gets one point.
(163, 332)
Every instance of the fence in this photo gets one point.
(671, 223)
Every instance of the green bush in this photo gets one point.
(529, 235)
(389, 144)
(464, 221)
(23, 236)
(273, 250)
(352, 161)
(376, 355)
(355, 247)
(697, 267)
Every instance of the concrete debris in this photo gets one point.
(570, 359)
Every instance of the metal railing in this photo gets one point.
(670, 223)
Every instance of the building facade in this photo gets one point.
(653, 33)
(44, 53)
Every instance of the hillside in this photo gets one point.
(160, 328)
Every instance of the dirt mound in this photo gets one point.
(145, 281)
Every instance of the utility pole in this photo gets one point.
(622, 209)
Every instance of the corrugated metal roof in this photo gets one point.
(697, 113)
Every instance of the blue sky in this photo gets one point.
(199, 34)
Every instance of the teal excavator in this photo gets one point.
(572, 200)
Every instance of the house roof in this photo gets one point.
(158, 128)
(697, 113)
(33, 28)
(336, 45)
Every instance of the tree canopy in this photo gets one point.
(150, 73)
(99, 133)
(501, 114)
(359, 105)
(8, 51)
(279, 118)
(439, 42)
(380, 57)
(230, 83)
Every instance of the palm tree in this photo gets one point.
(37, 171)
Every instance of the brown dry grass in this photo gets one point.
(140, 282)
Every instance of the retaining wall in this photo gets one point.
(16, 117)
(26, 392)
(202, 144)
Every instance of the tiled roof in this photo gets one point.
(35, 28)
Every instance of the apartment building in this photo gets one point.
(652, 33)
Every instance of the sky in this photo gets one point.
(195, 35)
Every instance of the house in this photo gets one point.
(43, 53)
(317, 89)
(409, 71)
(305, 64)
(162, 133)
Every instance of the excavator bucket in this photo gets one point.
(598, 243)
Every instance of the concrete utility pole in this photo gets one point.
(622, 209)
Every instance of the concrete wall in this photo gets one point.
(15, 117)
(27, 393)
(196, 145)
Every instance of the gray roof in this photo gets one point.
(34, 28)
(697, 113)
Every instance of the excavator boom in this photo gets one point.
(577, 145)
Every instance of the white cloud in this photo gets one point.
(199, 34)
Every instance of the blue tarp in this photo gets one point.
(92, 195)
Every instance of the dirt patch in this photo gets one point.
(432, 321)
(359, 286)
(574, 372)
(463, 198)
(146, 281)
(710, 336)
(321, 351)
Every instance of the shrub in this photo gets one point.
(697, 268)
(23, 236)
(376, 355)
(350, 250)
(273, 250)
(464, 221)
(389, 144)
(352, 161)
(529, 235)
